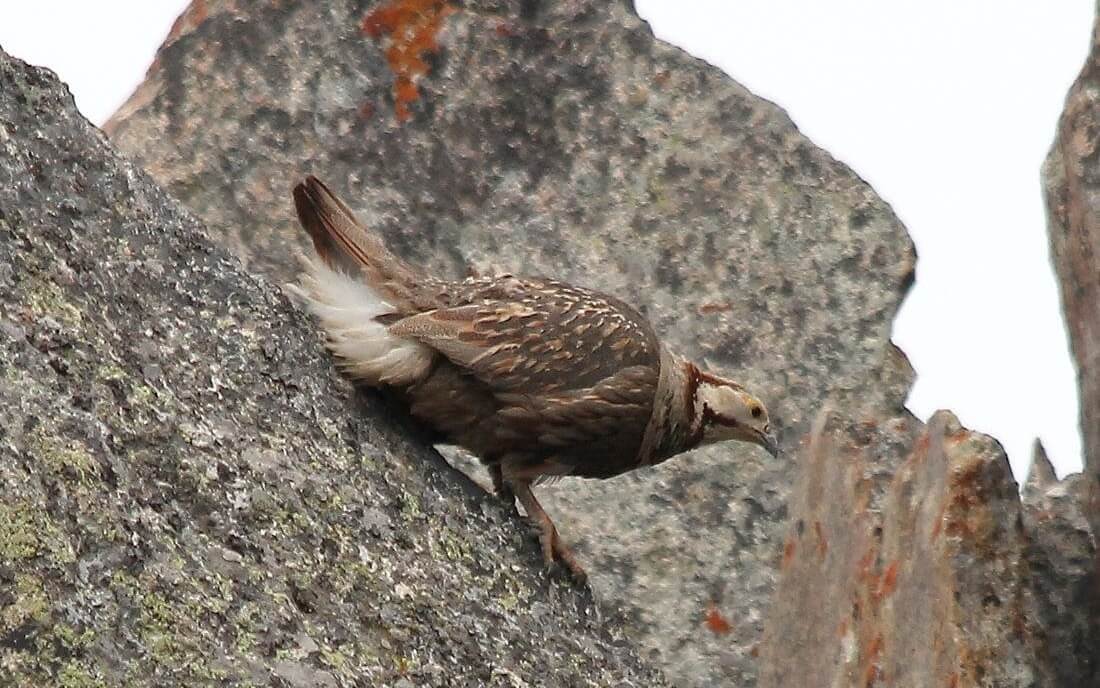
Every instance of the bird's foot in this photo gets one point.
(555, 549)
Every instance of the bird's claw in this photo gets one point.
(555, 551)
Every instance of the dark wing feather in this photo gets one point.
(573, 374)
(594, 433)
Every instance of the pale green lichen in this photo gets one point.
(334, 658)
(410, 505)
(404, 665)
(15, 377)
(110, 371)
(455, 548)
(63, 458)
(75, 674)
(26, 533)
(18, 539)
(47, 300)
(71, 639)
(157, 615)
(58, 655)
(508, 602)
(220, 602)
(171, 646)
(141, 394)
(245, 625)
(30, 603)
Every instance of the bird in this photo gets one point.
(538, 378)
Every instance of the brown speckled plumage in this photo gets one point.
(553, 379)
(536, 377)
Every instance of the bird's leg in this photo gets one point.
(552, 545)
(501, 487)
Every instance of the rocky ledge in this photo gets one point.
(190, 495)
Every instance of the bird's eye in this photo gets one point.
(756, 411)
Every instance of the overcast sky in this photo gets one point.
(946, 108)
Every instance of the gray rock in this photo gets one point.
(1040, 475)
(1072, 186)
(930, 573)
(1066, 558)
(1062, 571)
(240, 517)
(563, 139)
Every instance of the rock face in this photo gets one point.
(1070, 572)
(931, 573)
(1071, 179)
(1061, 551)
(189, 495)
(563, 139)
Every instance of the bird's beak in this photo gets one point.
(769, 442)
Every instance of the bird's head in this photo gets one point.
(724, 410)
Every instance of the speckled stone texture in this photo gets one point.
(1064, 575)
(1071, 572)
(1071, 180)
(190, 496)
(561, 138)
(931, 573)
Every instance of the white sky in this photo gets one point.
(947, 108)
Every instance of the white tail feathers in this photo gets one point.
(347, 308)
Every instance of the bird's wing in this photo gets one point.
(545, 338)
(594, 432)
(574, 372)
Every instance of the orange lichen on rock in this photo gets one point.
(889, 581)
(871, 654)
(411, 27)
(711, 307)
(870, 675)
(788, 552)
(920, 450)
(716, 622)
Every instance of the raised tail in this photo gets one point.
(355, 289)
(346, 246)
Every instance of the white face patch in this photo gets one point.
(722, 400)
(714, 402)
(347, 308)
(724, 412)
